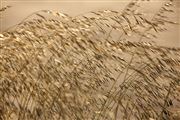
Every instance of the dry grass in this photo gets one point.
(57, 67)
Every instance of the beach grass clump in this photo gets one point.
(101, 65)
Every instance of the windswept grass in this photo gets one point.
(57, 67)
